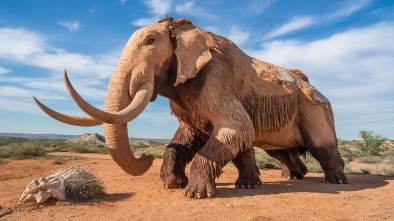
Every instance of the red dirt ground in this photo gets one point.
(366, 197)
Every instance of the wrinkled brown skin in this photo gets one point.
(226, 103)
(235, 102)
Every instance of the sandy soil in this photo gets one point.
(366, 197)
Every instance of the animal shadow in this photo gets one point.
(307, 185)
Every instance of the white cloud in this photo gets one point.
(4, 70)
(157, 8)
(348, 9)
(301, 22)
(294, 24)
(158, 117)
(237, 35)
(18, 44)
(258, 6)
(141, 22)
(72, 26)
(88, 74)
(29, 48)
(13, 91)
(23, 105)
(122, 2)
(212, 29)
(185, 8)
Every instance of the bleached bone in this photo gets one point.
(52, 186)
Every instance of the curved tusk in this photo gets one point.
(141, 99)
(73, 120)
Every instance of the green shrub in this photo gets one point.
(87, 147)
(83, 186)
(370, 160)
(264, 161)
(21, 151)
(3, 161)
(347, 153)
(348, 169)
(371, 143)
(58, 161)
(156, 151)
(388, 172)
(366, 171)
(312, 164)
(158, 154)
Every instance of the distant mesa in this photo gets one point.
(95, 137)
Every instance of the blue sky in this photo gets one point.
(346, 47)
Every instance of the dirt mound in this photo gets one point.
(95, 137)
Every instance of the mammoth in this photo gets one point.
(226, 103)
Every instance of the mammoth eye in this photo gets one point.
(150, 41)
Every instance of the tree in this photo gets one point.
(371, 142)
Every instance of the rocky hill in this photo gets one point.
(95, 138)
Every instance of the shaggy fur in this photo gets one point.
(225, 104)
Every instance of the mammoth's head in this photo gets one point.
(143, 68)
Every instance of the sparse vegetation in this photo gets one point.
(83, 186)
(352, 151)
(264, 161)
(366, 170)
(370, 146)
(312, 164)
(389, 172)
(148, 147)
(370, 160)
(87, 147)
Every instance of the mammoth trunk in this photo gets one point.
(118, 144)
(116, 135)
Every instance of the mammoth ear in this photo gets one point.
(192, 51)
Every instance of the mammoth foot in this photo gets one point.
(200, 189)
(248, 179)
(335, 176)
(298, 172)
(247, 182)
(202, 179)
(173, 180)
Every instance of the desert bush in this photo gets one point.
(370, 160)
(264, 161)
(388, 172)
(347, 153)
(348, 169)
(390, 160)
(388, 156)
(6, 141)
(156, 150)
(366, 171)
(83, 186)
(371, 143)
(3, 161)
(58, 161)
(21, 151)
(312, 164)
(86, 147)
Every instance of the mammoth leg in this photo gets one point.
(249, 174)
(318, 133)
(330, 161)
(232, 134)
(181, 150)
(292, 166)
